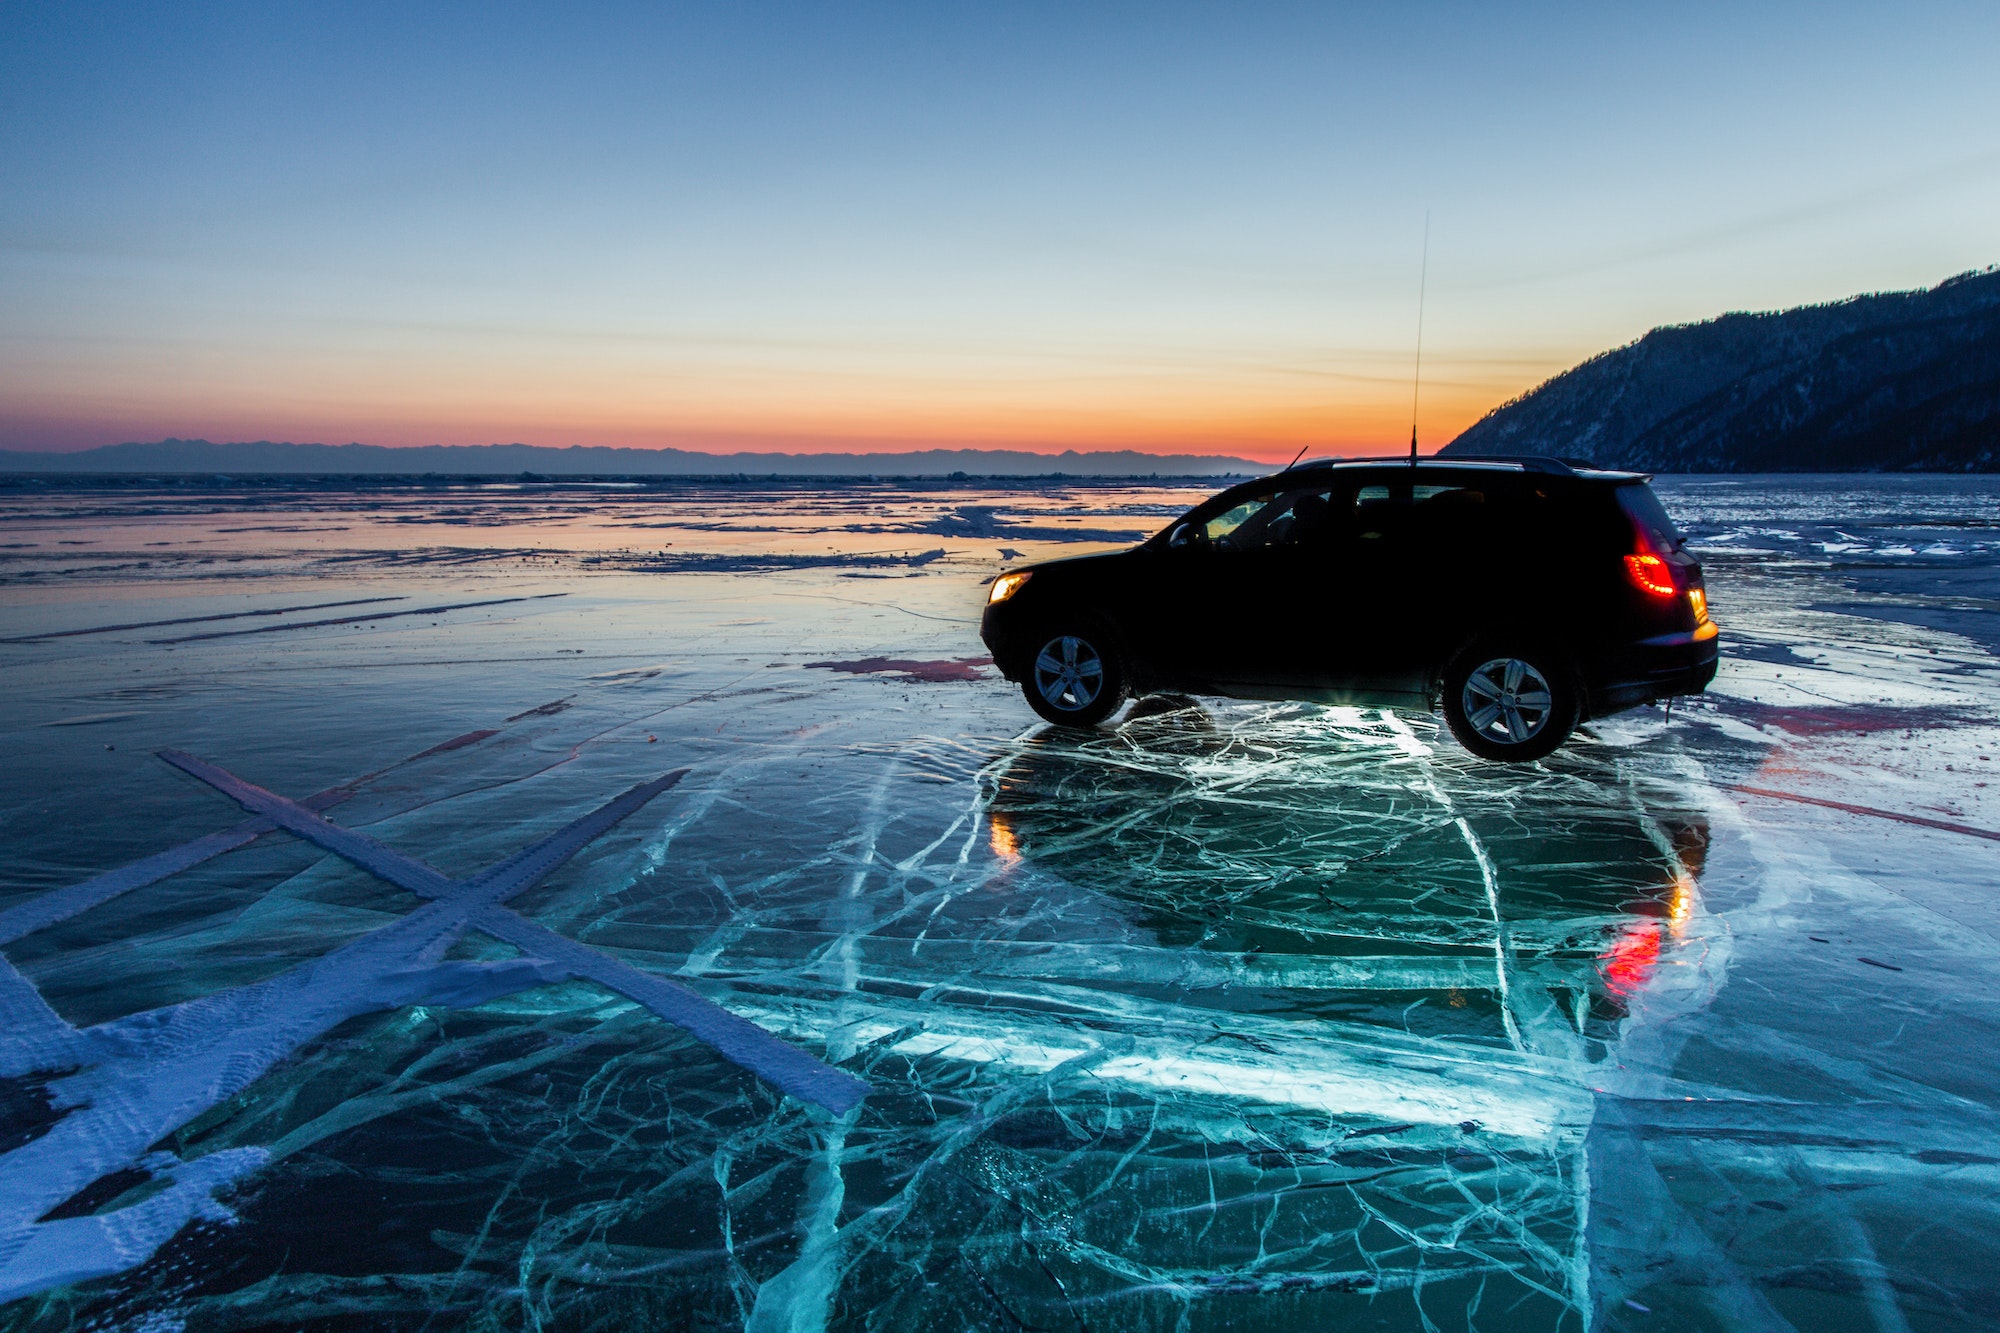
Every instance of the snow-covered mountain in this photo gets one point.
(1891, 381)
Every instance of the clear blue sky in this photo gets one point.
(828, 226)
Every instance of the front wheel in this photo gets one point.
(1076, 680)
(1509, 704)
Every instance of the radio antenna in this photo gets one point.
(1297, 456)
(1417, 376)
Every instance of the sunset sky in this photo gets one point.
(831, 226)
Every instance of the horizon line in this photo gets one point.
(885, 450)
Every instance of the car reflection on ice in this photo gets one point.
(1236, 854)
(1312, 1011)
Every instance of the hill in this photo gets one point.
(189, 456)
(1896, 381)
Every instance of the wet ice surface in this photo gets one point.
(1234, 1013)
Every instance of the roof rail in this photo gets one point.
(1560, 467)
(1339, 460)
(1323, 462)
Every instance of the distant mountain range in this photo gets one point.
(196, 456)
(1897, 381)
(1890, 382)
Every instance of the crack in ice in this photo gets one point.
(135, 1079)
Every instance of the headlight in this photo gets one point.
(1006, 586)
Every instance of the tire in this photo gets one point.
(1075, 678)
(1510, 703)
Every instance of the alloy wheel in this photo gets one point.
(1069, 673)
(1507, 701)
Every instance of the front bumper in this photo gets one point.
(1005, 638)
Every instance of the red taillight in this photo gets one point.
(1650, 575)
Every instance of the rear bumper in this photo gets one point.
(1653, 669)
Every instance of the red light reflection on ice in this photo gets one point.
(1629, 963)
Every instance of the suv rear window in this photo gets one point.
(1649, 517)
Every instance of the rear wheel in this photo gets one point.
(1076, 679)
(1508, 703)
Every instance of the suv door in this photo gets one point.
(1438, 573)
(1352, 647)
(1410, 573)
(1235, 576)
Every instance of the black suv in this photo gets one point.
(1523, 595)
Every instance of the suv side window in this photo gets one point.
(1271, 519)
(1377, 509)
(1221, 527)
(1449, 514)
(1477, 512)
(1447, 497)
(1290, 518)
(1429, 512)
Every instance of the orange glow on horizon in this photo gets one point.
(563, 399)
(1265, 441)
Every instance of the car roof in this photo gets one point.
(1543, 466)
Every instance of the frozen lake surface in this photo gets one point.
(1231, 1015)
